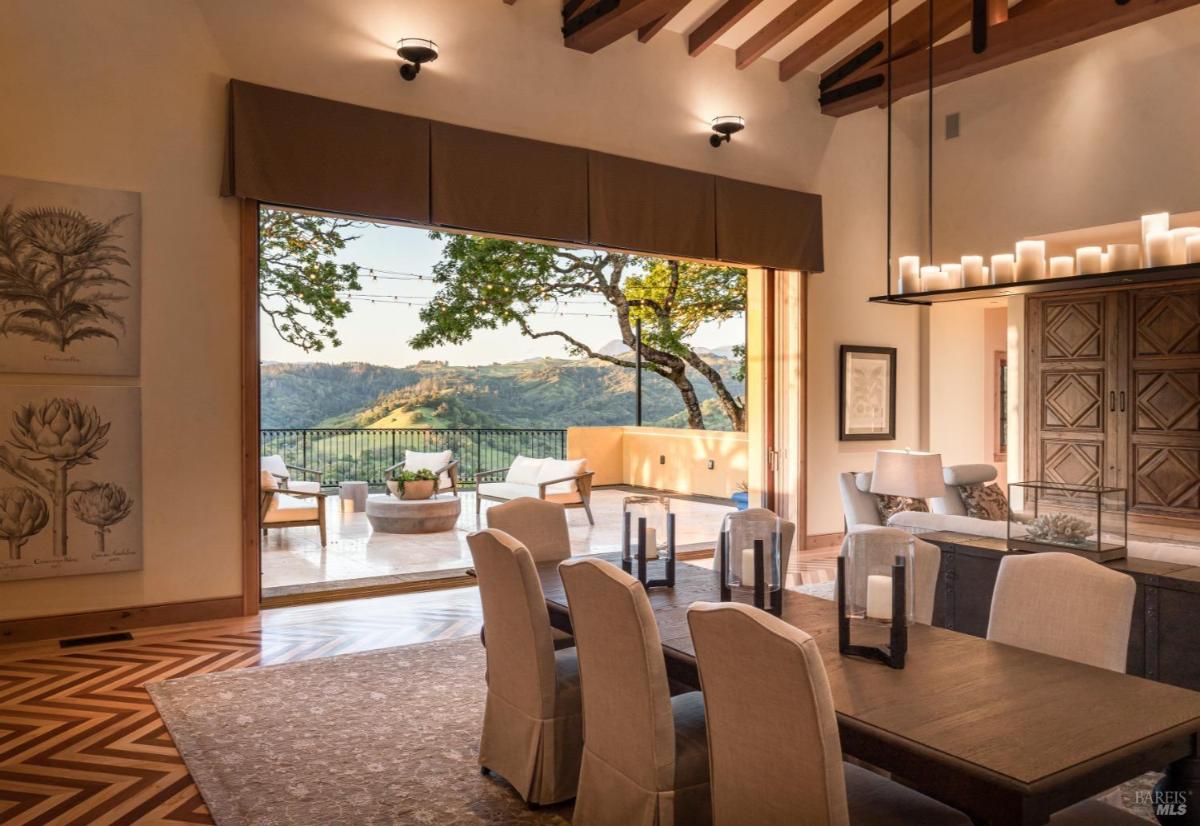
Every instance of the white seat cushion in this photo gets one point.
(524, 471)
(286, 509)
(429, 461)
(506, 490)
(303, 487)
(560, 469)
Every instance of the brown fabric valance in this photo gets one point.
(758, 224)
(647, 207)
(302, 151)
(508, 185)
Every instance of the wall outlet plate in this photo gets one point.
(662, 459)
(712, 465)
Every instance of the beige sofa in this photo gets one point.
(565, 481)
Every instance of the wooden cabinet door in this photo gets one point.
(1075, 368)
(1163, 402)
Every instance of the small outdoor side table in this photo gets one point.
(356, 494)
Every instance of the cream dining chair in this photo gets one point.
(645, 758)
(532, 723)
(1063, 605)
(538, 524)
(774, 751)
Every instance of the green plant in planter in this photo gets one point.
(404, 476)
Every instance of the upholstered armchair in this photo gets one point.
(286, 474)
(442, 463)
(565, 481)
(289, 508)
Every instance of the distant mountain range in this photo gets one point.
(537, 393)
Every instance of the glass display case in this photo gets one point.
(1089, 520)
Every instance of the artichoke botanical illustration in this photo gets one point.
(57, 281)
(62, 433)
(104, 505)
(22, 514)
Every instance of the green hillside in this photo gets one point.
(541, 393)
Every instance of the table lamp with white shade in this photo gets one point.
(908, 473)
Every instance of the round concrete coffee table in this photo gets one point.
(387, 514)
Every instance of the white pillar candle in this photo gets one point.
(987, 275)
(747, 577)
(972, 270)
(1156, 222)
(1061, 266)
(879, 597)
(1123, 257)
(1003, 268)
(1179, 243)
(1089, 260)
(910, 274)
(933, 278)
(953, 275)
(1031, 260)
(1158, 248)
(1193, 249)
(651, 543)
(1104, 262)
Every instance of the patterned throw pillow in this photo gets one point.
(890, 505)
(984, 502)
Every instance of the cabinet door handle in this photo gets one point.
(1122, 401)
(1112, 400)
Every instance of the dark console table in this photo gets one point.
(1164, 640)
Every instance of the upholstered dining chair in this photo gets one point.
(927, 561)
(1063, 605)
(532, 722)
(774, 752)
(538, 524)
(645, 758)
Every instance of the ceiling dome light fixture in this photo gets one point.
(414, 51)
(724, 128)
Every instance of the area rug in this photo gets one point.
(383, 737)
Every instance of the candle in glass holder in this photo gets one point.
(1062, 266)
(953, 275)
(1158, 248)
(910, 274)
(1003, 268)
(1193, 249)
(932, 278)
(1123, 257)
(1179, 243)
(1031, 260)
(972, 270)
(1089, 260)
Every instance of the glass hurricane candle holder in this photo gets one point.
(648, 540)
(875, 588)
(749, 555)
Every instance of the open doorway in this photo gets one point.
(382, 344)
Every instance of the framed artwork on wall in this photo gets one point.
(70, 480)
(70, 279)
(866, 393)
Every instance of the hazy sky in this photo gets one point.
(379, 332)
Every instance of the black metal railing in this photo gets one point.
(363, 453)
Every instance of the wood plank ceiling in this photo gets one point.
(845, 41)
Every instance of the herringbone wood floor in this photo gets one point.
(82, 744)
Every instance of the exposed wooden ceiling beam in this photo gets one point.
(592, 26)
(909, 34)
(1052, 26)
(828, 38)
(786, 22)
(717, 23)
(650, 29)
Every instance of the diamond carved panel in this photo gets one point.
(1167, 477)
(1168, 401)
(1073, 401)
(1072, 463)
(1167, 325)
(1073, 329)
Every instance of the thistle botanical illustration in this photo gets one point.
(47, 440)
(57, 282)
(22, 514)
(103, 506)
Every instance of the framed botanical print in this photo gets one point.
(866, 393)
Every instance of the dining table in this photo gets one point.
(1006, 735)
